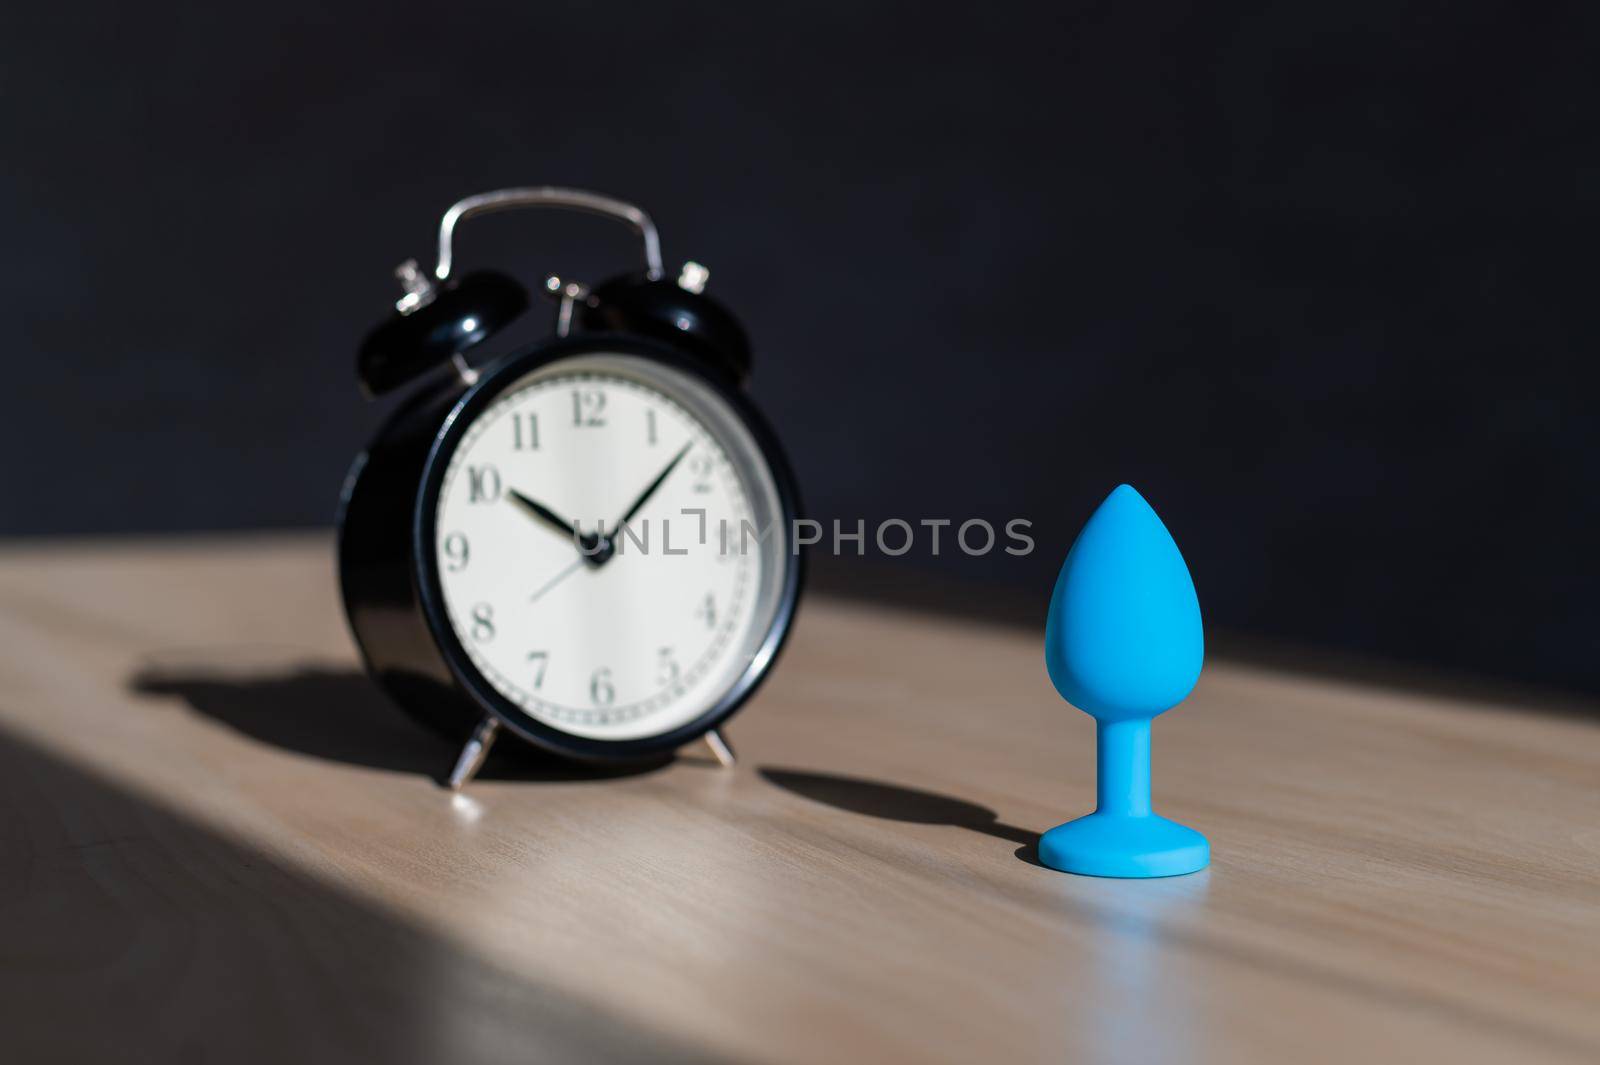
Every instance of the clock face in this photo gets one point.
(611, 547)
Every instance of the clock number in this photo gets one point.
(456, 552)
(701, 466)
(483, 484)
(650, 427)
(708, 610)
(600, 690)
(483, 622)
(666, 666)
(587, 404)
(540, 660)
(525, 432)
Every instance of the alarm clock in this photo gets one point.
(587, 542)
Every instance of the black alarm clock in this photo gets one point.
(588, 541)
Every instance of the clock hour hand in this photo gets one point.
(546, 515)
(650, 489)
(595, 549)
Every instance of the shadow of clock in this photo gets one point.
(895, 803)
(341, 716)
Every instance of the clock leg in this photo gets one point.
(720, 749)
(473, 754)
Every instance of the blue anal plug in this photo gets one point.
(1124, 643)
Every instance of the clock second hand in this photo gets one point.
(567, 571)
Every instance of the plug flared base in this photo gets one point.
(1118, 845)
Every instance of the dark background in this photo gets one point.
(1316, 278)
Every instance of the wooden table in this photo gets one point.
(218, 843)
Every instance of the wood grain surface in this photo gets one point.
(218, 843)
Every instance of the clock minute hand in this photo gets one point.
(650, 489)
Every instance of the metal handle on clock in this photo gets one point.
(547, 196)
